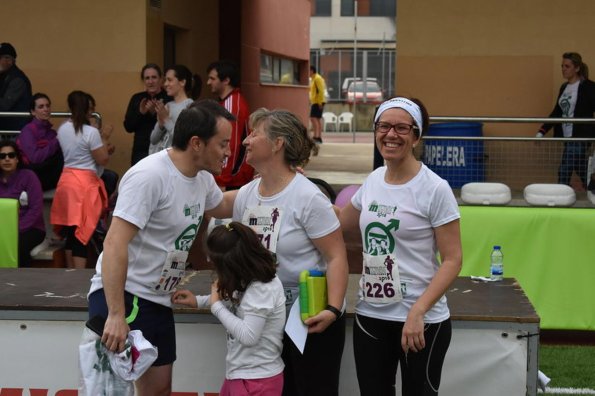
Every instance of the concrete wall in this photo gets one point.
(490, 58)
(337, 27)
(96, 47)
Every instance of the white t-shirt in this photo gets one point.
(168, 208)
(254, 353)
(567, 102)
(77, 147)
(402, 218)
(306, 214)
(161, 140)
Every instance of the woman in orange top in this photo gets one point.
(80, 195)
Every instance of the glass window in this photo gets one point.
(266, 68)
(277, 70)
(377, 8)
(322, 8)
(347, 8)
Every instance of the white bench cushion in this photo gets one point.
(549, 195)
(486, 193)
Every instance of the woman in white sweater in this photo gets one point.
(182, 86)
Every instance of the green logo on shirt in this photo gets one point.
(184, 241)
(382, 210)
(378, 238)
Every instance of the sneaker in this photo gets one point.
(318, 140)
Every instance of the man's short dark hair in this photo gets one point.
(313, 69)
(199, 119)
(226, 69)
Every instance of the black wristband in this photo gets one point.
(334, 310)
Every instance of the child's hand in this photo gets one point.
(214, 293)
(184, 297)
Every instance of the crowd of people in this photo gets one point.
(196, 160)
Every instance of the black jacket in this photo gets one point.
(585, 106)
(15, 95)
(141, 124)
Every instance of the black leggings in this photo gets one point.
(27, 241)
(378, 352)
(72, 242)
(316, 372)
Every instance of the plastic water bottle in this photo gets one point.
(497, 264)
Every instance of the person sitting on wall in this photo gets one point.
(22, 184)
(39, 145)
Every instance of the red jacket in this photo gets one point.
(236, 171)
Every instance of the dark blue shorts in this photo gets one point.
(316, 111)
(154, 320)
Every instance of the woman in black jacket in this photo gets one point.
(576, 99)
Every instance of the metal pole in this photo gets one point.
(354, 68)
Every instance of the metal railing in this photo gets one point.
(59, 114)
(512, 160)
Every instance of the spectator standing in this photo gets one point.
(160, 206)
(15, 89)
(317, 101)
(80, 196)
(298, 224)
(576, 99)
(141, 114)
(406, 217)
(224, 81)
(22, 184)
(183, 87)
(39, 143)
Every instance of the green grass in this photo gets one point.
(568, 366)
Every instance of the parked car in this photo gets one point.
(373, 93)
(347, 82)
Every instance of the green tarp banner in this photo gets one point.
(9, 233)
(550, 251)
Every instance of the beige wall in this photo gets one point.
(96, 47)
(490, 58)
(100, 47)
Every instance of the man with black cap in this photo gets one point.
(15, 89)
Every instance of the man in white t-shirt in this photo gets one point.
(160, 206)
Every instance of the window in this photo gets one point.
(377, 8)
(277, 70)
(321, 8)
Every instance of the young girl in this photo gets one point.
(254, 313)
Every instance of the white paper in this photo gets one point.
(295, 328)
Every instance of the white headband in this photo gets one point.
(405, 104)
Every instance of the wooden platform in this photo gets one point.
(37, 289)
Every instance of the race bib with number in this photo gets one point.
(380, 279)
(172, 272)
(266, 222)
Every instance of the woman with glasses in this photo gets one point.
(39, 144)
(22, 184)
(576, 99)
(401, 315)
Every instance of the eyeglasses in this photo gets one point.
(11, 155)
(401, 129)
